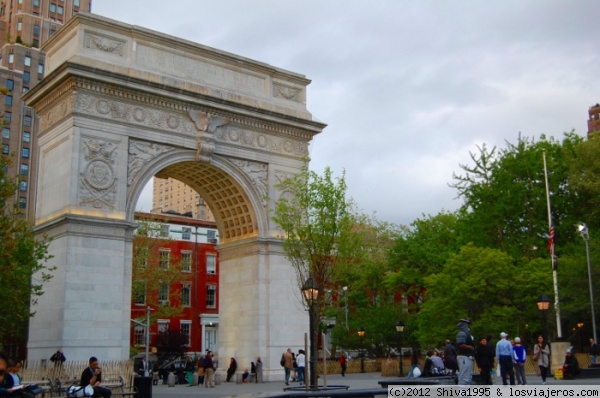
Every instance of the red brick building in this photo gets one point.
(186, 247)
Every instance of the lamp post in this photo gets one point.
(345, 288)
(583, 231)
(399, 330)
(310, 289)
(543, 303)
(361, 334)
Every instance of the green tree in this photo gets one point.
(422, 250)
(314, 215)
(22, 261)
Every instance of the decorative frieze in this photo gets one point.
(122, 111)
(287, 92)
(98, 180)
(140, 153)
(256, 140)
(104, 43)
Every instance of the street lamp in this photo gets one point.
(543, 304)
(399, 330)
(310, 289)
(361, 334)
(583, 231)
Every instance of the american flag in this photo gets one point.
(551, 240)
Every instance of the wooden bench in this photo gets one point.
(118, 387)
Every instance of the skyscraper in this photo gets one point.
(25, 25)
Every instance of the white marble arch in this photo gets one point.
(121, 104)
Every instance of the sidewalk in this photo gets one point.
(356, 381)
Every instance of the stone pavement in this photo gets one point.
(356, 381)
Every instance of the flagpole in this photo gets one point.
(552, 255)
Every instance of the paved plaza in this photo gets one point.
(354, 381)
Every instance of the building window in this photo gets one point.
(10, 84)
(36, 3)
(186, 261)
(211, 264)
(59, 10)
(19, 26)
(23, 186)
(186, 330)
(7, 117)
(75, 3)
(36, 30)
(52, 7)
(6, 133)
(27, 60)
(211, 296)
(163, 325)
(26, 136)
(11, 58)
(24, 169)
(164, 231)
(35, 43)
(186, 233)
(163, 294)
(5, 149)
(163, 259)
(26, 120)
(139, 292)
(40, 69)
(22, 203)
(8, 100)
(139, 335)
(186, 294)
(25, 153)
(26, 77)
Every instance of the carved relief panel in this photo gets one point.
(97, 178)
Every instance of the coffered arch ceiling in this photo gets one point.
(231, 205)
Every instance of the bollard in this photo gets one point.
(195, 379)
(171, 379)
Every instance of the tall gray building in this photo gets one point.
(24, 27)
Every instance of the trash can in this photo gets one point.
(143, 387)
(171, 380)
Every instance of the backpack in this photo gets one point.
(282, 362)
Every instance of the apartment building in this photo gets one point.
(170, 194)
(25, 25)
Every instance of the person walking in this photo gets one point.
(484, 361)
(466, 352)
(301, 361)
(343, 363)
(520, 357)
(504, 353)
(288, 365)
(594, 351)
(414, 362)
(189, 370)
(541, 355)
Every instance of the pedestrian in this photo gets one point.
(259, 370)
(466, 352)
(485, 361)
(301, 361)
(594, 351)
(450, 361)
(200, 371)
(571, 366)
(343, 363)
(520, 357)
(504, 353)
(288, 365)
(541, 355)
(209, 371)
(231, 369)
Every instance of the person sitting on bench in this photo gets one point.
(571, 366)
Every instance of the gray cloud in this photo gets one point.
(407, 88)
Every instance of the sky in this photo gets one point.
(407, 88)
